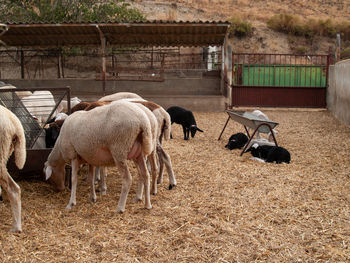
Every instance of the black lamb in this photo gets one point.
(270, 154)
(185, 118)
(236, 141)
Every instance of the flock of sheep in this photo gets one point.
(119, 127)
(116, 128)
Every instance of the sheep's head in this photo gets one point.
(194, 129)
(55, 175)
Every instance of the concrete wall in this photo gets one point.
(338, 94)
(194, 93)
(185, 86)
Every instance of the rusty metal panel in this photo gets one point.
(261, 96)
(279, 80)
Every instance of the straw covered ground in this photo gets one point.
(225, 208)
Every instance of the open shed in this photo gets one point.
(195, 91)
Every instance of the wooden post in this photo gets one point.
(22, 64)
(59, 64)
(103, 61)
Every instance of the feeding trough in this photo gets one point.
(37, 152)
(249, 120)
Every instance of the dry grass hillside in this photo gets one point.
(257, 12)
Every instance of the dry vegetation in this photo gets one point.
(257, 13)
(226, 208)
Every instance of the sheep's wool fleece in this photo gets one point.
(119, 96)
(10, 126)
(153, 121)
(114, 127)
(161, 116)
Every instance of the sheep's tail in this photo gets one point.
(20, 146)
(167, 126)
(147, 138)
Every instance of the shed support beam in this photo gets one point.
(103, 61)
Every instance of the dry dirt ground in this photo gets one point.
(225, 208)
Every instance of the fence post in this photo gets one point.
(22, 64)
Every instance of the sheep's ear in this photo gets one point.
(199, 129)
(48, 172)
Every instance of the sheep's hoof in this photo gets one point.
(16, 230)
(148, 207)
(120, 211)
(172, 186)
(93, 199)
(103, 192)
(69, 206)
(136, 199)
(159, 180)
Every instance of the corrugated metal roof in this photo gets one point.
(150, 33)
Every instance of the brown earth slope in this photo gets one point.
(257, 12)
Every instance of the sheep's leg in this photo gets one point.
(152, 158)
(139, 190)
(161, 165)
(103, 185)
(127, 179)
(146, 182)
(92, 183)
(97, 174)
(73, 198)
(14, 194)
(0, 194)
(186, 132)
(167, 161)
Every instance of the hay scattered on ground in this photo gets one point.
(226, 208)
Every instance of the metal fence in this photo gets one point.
(121, 64)
(279, 80)
(280, 70)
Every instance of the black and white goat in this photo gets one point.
(269, 153)
(185, 118)
(236, 141)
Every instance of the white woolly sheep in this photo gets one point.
(119, 96)
(152, 156)
(12, 139)
(126, 134)
(164, 129)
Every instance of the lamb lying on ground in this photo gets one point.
(104, 136)
(12, 139)
(236, 141)
(186, 119)
(269, 153)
